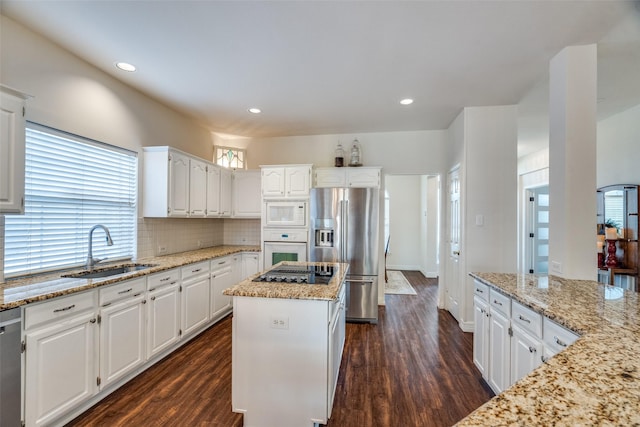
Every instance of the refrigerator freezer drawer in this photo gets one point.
(362, 299)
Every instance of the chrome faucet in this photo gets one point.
(91, 261)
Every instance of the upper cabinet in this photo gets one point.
(176, 184)
(289, 182)
(12, 145)
(347, 177)
(246, 194)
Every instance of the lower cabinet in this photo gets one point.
(60, 357)
(163, 318)
(122, 332)
(526, 353)
(250, 264)
(195, 297)
(500, 354)
(510, 339)
(79, 345)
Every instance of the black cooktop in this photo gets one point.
(305, 275)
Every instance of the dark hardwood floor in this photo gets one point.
(414, 368)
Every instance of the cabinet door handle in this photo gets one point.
(495, 301)
(480, 290)
(58, 310)
(222, 262)
(544, 359)
(125, 291)
(92, 320)
(532, 350)
(196, 270)
(153, 298)
(524, 319)
(559, 341)
(165, 279)
(152, 289)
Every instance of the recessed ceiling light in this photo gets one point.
(406, 101)
(254, 110)
(125, 66)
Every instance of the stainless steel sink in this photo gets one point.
(108, 271)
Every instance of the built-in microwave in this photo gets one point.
(285, 214)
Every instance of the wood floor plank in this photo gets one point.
(415, 368)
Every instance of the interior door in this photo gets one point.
(453, 266)
(537, 220)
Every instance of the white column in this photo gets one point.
(572, 163)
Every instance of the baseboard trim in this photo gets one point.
(403, 267)
(467, 326)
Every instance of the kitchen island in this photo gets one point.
(596, 380)
(287, 347)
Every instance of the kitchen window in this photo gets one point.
(71, 184)
(233, 158)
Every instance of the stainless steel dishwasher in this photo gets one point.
(10, 368)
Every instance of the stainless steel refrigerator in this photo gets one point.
(344, 228)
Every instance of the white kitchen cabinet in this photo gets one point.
(60, 356)
(526, 352)
(165, 183)
(293, 341)
(163, 311)
(213, 191)
(246, 194)
(500, 352)
(225, 272)
(291, 181)
(122, 321)
(225, 192)
(195, 297)
(555, 338)
(12, 146)
(250, 264)
(197, 188)
(481, 336)
(336, 335)
(353, 177)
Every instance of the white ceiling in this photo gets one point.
(324, 67)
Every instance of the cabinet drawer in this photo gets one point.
(59, 308)
(169, 277)
(194, 270)
(500, 302)
(526, 319)
(481, 290)
(122, 290)
(219, 263)
(557, 337)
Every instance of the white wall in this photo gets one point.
(405, 196)
(618, 148)
(430, 250)
(483, 141)
(73, 96)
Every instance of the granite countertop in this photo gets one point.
(18, 292)
(595, 381)
(328, 292)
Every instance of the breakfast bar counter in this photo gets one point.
(596, 380)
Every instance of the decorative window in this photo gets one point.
(71, 184)
(229, 157)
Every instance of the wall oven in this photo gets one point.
(285, 214)
(282, 244)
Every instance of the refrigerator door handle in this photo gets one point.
(345, 228)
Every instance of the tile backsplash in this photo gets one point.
(163, 236)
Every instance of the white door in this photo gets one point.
(122, 339)
(197, 188)
(537, 230)
(297, 181)
(273, 182)
(178, 185)
(481, 336)
(221, 279)
(195, 304)
(453, 285)
(163, 314)
(246, 194)
(499, 352)
(526, 354)
(60, 368)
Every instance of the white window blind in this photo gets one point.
(71, 184)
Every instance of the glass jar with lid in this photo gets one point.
(356, 154)
(339, 156)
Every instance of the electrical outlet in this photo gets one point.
(199, 243)
(162, 249)
(279, 322)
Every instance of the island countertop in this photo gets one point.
(595, 381)
(328, 292)
(18, 292)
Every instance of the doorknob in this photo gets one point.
(456, 252)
